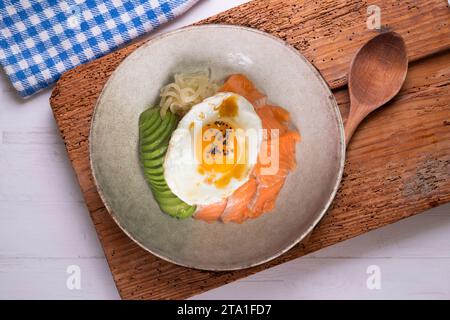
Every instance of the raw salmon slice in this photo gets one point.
(237, 206)
(281, 114)
(211, 212)
(266, 196)
(269, 186)
(241, 85)
(269, 121)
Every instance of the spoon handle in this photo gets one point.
(356, 115)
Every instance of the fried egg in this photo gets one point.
(213, 150)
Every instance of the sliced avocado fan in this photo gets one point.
(154, 136)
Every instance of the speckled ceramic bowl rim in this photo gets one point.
(337, 118)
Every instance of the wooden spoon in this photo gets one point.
(376, 75)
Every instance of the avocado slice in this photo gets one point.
(161, 193)
(155, 174)
(153, 163)
(181, 211)
(149, 135)
(148, 118)
(164, 138)
(156, 153)
(157, 183)
(160, 189)
(169, 200)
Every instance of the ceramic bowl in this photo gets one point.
(277, 69)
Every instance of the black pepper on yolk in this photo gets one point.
(222, 146)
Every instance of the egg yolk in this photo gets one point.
(221, 153)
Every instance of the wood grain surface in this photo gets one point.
(398, 163)
(328, 32)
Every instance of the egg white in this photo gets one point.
(180, 164)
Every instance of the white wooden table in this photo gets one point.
(45, 227)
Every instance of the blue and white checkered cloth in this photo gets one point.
(41, 39)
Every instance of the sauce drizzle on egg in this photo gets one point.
(229, 107)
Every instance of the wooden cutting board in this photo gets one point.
(398, 163)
